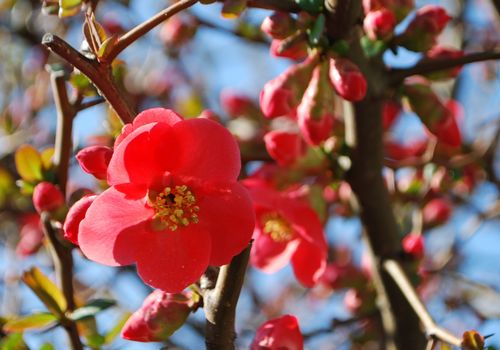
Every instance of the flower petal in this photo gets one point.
(144, 154)
(269, 255)
(309, 263)
(113, 225)
(230, 217)
(172, 261)
(207, 151)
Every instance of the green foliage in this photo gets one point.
(91, 309)
(46, 290)
(34, 321)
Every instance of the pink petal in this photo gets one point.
(114, 226)
(207, 151)
(229, 216)
(144, 154)
(309, 263)
(172, 260)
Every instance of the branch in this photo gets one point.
(277, 5)
(433, 65)
(99, 75)
(220, 303)
(87, 104)
(431, 328)
(135, 33)
(259, 39)
(63, 266)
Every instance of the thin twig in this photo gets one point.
(432, 330)
(137, 32)
(87, 104)
(434, 65)
(258, 39)
(99, 75)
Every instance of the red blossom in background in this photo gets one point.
(379, 24)
(235, 104)
(413, 244)
(94, 160)
(31, 235)
(390, 113)
(279, 25)
(160, 315)
(287, 229)
(437, 211)
(173, 201)
(279, 334)
(284, 147)
(47, 197)
(347, 79)
(295, 51)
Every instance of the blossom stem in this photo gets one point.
(137, 32)
(220, 303)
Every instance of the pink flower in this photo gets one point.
(379, 24)
(47, 197)
(94, 160)
(287, 229)
(413, 244)
(174, 205)
(160, 315)
(279, 334)
(75, 216)
(347, 79)
(284, 147)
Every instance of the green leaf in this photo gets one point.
(91, 309)
(35, 321)
(317, 29)
(46, 291)
(340, 47)
(233, 8)
(113, 332)
(106, 47)
(28, 163)
(47, 155)
(13, 341)
(46, 346)
(69, 8)
(372, 48)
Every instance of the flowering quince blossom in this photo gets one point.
(287, 229)
(284, 147)
(279, 334)
(94, 160)
(75, 216)
(174, 205)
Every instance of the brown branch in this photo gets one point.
(429, 66)
(259, 39)
(63, 266)
(220, 303)
(135, 33)
(432, 330)
(87, 104)
(277, 5)
(99, 75)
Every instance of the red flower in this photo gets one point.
(286, 229)
(296, 51)
(235, 104)
(347, 79)
(437, 211)
(284, 147)
(94, 160)
(75, 216)
(160, 315)
(31, 235)
(174, 206)
(379, 24)
(279, 334)
(47, 197)
(413, 244)
(390, 112)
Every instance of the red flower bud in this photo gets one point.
(178, 30)
(379, 24)
(315, 113)
(31, 235)
(347, 79)
(413, 244)
(281, 95)
(94, 160)
(75, 215)
(440, 52)
(284, 147)
(398, 151)
(437, 211)
(390, 112)
(346, 275)
(295, 51)
(160, 315)
(279, 333)
(421, 33)
(235, 104)
(400, 8)
(279, 25)
(47, 197)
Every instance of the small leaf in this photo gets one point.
(233, 8)
(35, 321)
(317, 29)
(13, 341)
(46, 346)
(106, 47)
(69, 8)
(28, 163)
(46, 291)
(91, 309)
(372, 48)
(340, 47)
(472, 340)
(47, 155)
(113, 332)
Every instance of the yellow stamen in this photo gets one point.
(277, 227)
(175, 207)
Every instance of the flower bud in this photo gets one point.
(342, 275)
(235, 104)
(279, 25)
(379, 24)
(281, 95)
(295, 50)
(347, 79)
(400, 8)
(160, 315)
(279, 333)
(436, 212)
(47, 197)
(94, 160)
(284, 147)
(413, 244)
(31, 235)
(390, 112)
(398, 151)
(178, 30)
(75, 215)
(440, 52)
(422, 32)
(315, 114)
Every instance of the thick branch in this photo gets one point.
(220, 303)
(431, 328)
(135, 33)
(429, 66)
(277, 5)
(99, 75)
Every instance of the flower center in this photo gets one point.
(175, 206)
(277, 227)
